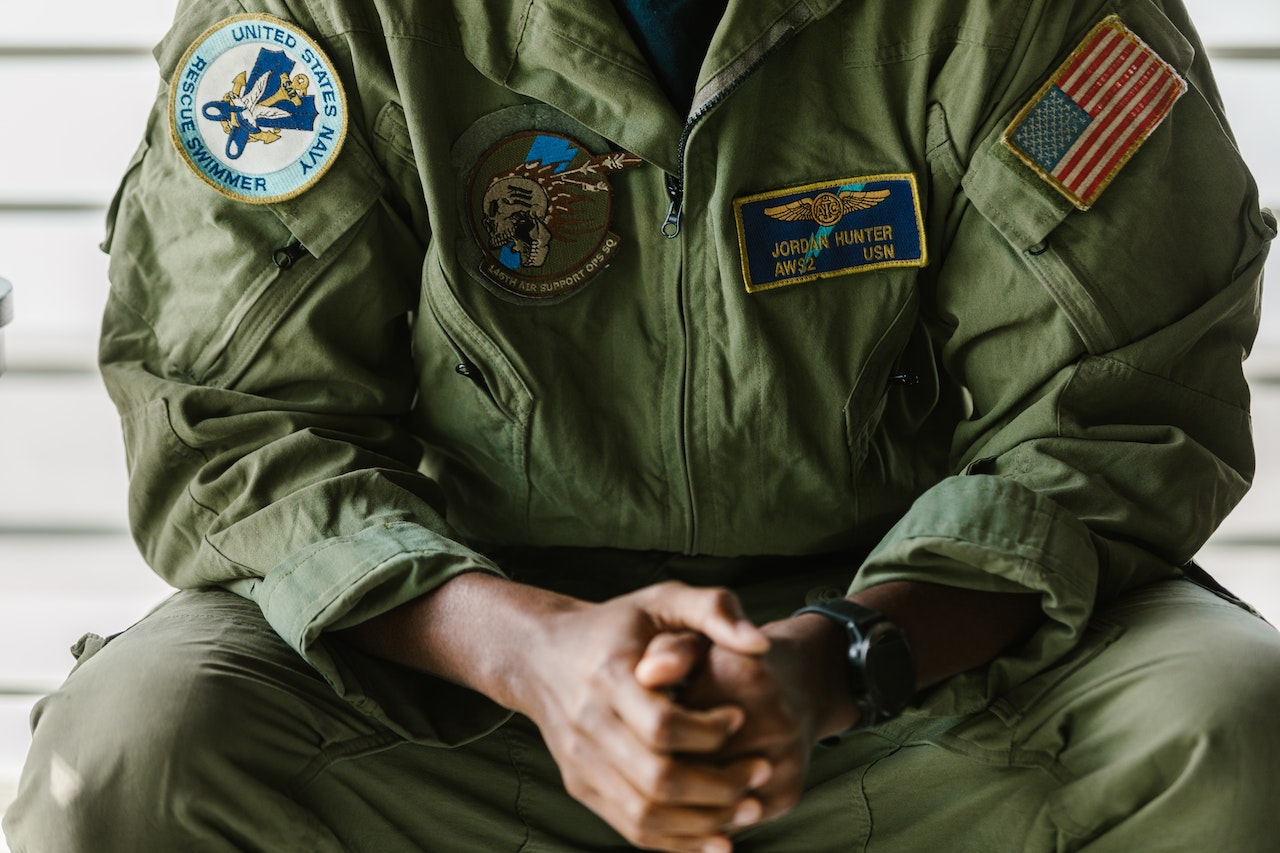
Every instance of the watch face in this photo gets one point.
(890, 670)
(882, 672)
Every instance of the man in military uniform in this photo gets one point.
(563, 444)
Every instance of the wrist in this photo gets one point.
(483, 632)
(502, 635)
(879, 668)
(823, 647)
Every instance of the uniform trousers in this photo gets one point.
(198, 729)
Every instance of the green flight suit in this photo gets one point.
(330, 408)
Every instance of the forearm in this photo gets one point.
(513, 642)
(951, 630)
(473, 630)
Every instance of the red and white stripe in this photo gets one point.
(1128, 90)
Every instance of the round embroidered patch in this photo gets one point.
(256, 109)
(540, 205)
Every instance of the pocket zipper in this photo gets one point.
(286, 256)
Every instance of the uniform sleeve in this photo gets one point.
(259, 356)
(1100, 352)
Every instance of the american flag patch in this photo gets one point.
(1105, 101)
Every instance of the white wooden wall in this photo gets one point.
(67, 564)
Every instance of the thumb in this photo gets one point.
(715, 613)
(670, 659)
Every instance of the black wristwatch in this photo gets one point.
(882, 672)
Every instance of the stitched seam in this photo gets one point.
(520, 786)
(957, 36)
(519, 46)
(341, 751)
(591, 49)
(1116, 365)
(344, 540)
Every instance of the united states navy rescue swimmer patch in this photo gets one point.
(1096, 111)
(257, 110)
(852, 225)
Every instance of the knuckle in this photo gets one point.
(722, 596)
(580, 755)
(645, 837)
(646, 840)
(660, 779)
(574, 787)
(662, 729)
(640, 815)
(663, 589)
(577, 751)
(718, 599)
(579, 711)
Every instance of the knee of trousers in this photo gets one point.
(1172, 732)
(194, 718)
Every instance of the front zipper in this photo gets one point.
(724, 85)
(675, 192)
(779, 34)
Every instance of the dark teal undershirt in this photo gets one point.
(674, 36)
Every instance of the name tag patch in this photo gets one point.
(802, 234)
(1094, 114)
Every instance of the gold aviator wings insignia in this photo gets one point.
(827, 208)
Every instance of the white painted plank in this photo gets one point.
(1253, 109)
(1266, 355)
(60, 288)
(121, 23)
(1251, 573)
(59, 588)
(142, 22)
(1258, 516)
(80, 162)
(1236, 22)
(61, 454)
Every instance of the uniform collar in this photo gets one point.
(580, 59)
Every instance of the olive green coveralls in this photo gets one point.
(1044, 399)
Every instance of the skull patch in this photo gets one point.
(515, 212)
(540, 206)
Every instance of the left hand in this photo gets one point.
(792, 696)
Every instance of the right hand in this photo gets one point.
(631, 753)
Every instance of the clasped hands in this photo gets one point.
(678, 721)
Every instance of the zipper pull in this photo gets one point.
(287, 256)
(469, 370)
(675, 191)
